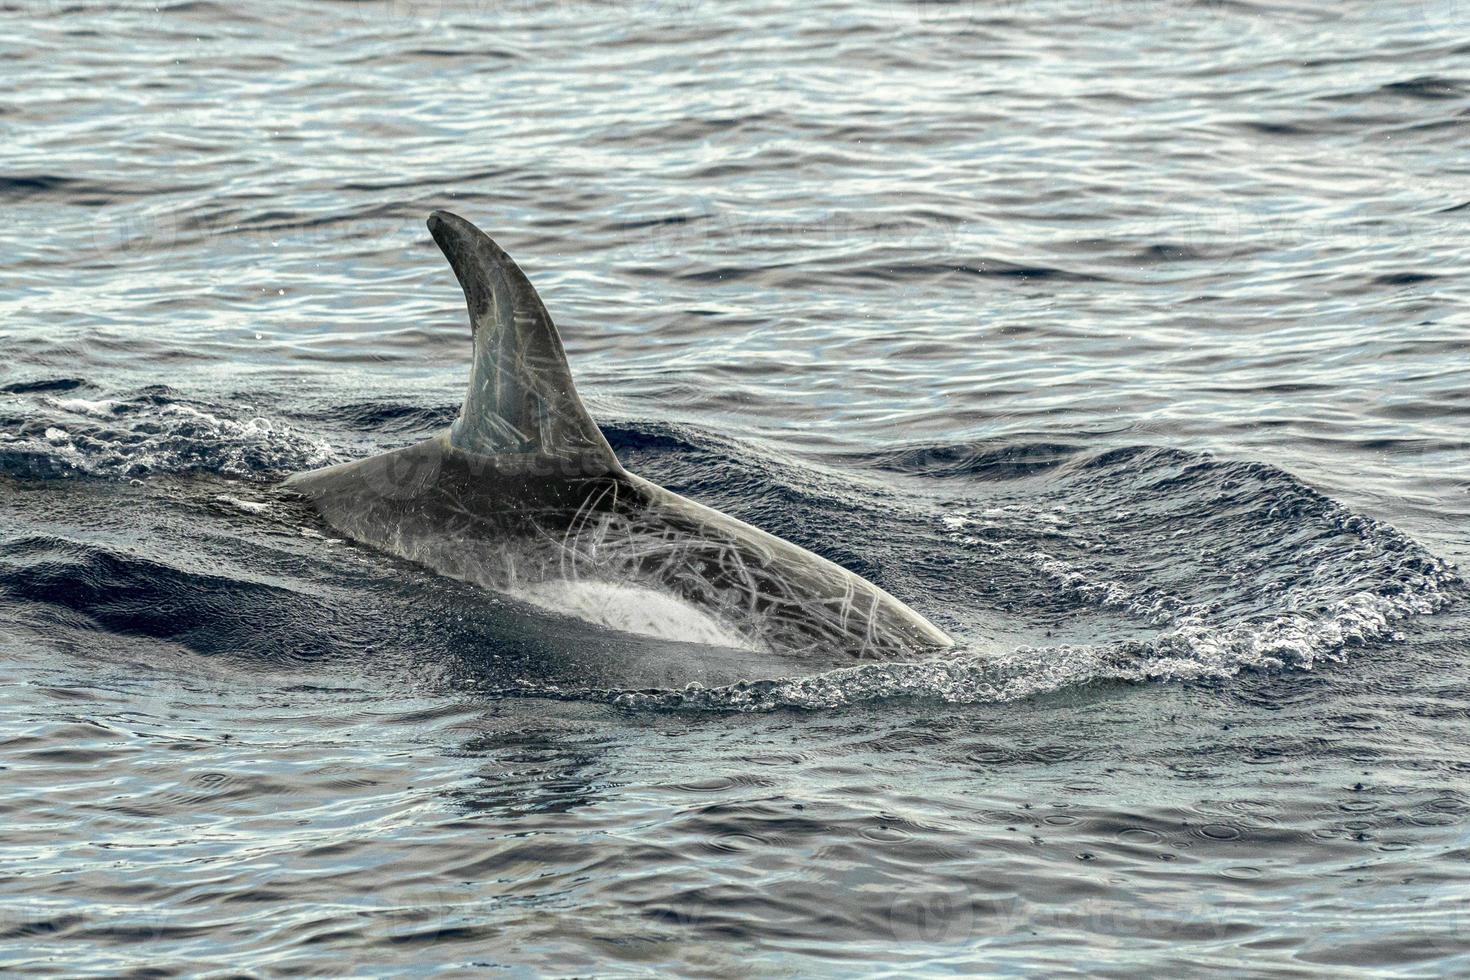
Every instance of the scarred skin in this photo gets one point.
(504, 523)
(523, 489)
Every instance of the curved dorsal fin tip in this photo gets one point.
(521, 398)
(441, 219)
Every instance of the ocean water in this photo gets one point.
(1128, 340)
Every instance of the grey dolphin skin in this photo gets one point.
(522, 495)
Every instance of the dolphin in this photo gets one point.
(522, 495)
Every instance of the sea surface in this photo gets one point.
(1128, 340)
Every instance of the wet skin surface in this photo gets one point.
(510, 522)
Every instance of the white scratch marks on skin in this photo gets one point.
(576, 546)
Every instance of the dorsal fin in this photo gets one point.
(521, 398)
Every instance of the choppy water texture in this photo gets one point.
(1126, 340)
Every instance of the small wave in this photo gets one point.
(1192, 651)
(58, 581)
(389, 418)
(43, 384)
(1405, 279)
(983, 460)
(1432, 87)
(29, 186)
(982, 269)
(1234, 565)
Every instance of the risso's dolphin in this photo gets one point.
(522, 495)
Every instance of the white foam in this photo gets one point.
(101, 408)
(248, 506)
(631, 609)
(170, 437)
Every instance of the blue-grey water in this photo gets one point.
(1128, 340)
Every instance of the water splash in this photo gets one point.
(147, 432)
